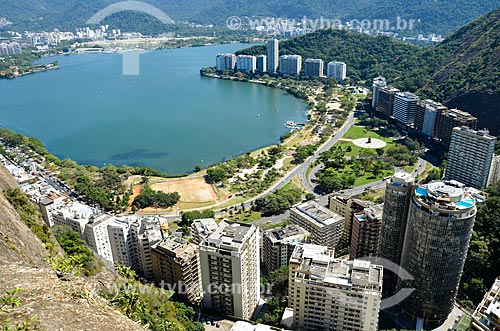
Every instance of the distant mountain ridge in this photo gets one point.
(432, 16)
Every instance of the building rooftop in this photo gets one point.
(433, 104)
(204, 226)
(392, 90)
(481, 133)
(318, 264)
(401, 179)
(408, 96)
(336, 62)
(286, 233)
(100, 218)
(371, 213)
(229, 236)
(379, 79)
(318, 214)
(450, 195)
(176, 246)
(76, 210)
(314, 60)
(456, 113)
(285, 57)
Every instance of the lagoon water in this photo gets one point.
(168, 117)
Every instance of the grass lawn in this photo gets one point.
(298, 184)
(247, 216)
(368, 178)
(410, 168)
(357, 132)
(376, 196)
(464, 323)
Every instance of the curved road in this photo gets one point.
(301, 170)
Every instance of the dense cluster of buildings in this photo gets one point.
(471, 157)
(12, 48)
(425, 229)
(486, 317)
(273, 63)
(409, 112)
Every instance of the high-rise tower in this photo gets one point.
(438, 231)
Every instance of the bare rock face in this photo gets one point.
(71, 303)
(17, 242)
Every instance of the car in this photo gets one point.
(217, 324)
(212, 322)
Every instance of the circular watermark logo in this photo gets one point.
(131, 60)
(234, 23)
(403, 275)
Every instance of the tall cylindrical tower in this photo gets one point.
(438, 231)
(398, 192)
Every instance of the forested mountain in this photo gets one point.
(463, 71)
(366, 56)
(432, 16)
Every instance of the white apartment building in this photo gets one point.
(405, 107)
(278, 245)
(378, 83)
(337, 70)
(313, 68)
(273, 54)
(74, 215)
(494, 175)
(325, 226)
(96, 236)
(290, 64)
(202, 228)
(119, 237)
(262, 63)
(470, 157)
(246, 63)
(230, 268)
(330, 294)
(225, 62)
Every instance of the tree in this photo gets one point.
(333, 82)
(310, 196)
(188, 216)
(281, 200)
(157, 199)
(376, 168)
(434, 174)
(215, 175)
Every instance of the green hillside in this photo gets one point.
(432, 16)
(463, 71)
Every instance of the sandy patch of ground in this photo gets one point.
(333, 106)
(279, 164)
(192, 190)
(245, 172)
(374, 144)
(136, 190)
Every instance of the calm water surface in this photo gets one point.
(168, 118)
